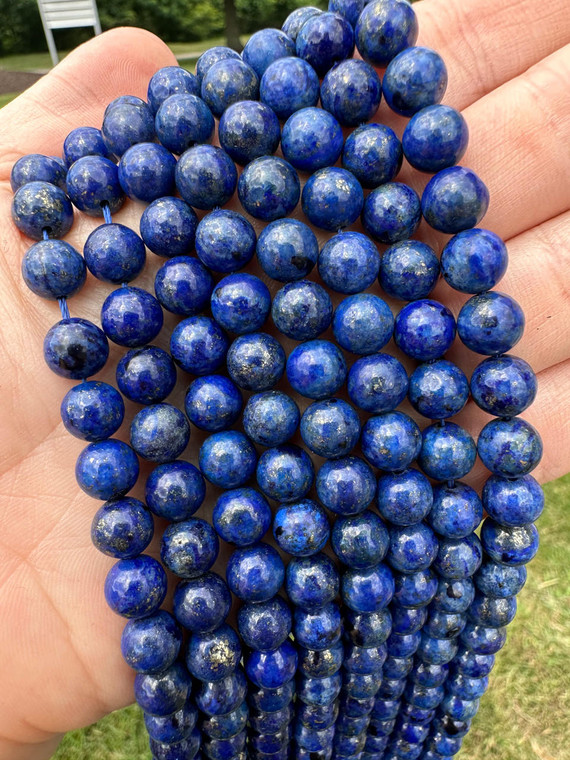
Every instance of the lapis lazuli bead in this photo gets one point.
(175, 490)
(474, 261)
(206, 177)
(224, 749)
(509, 545)
(301, 529)
(454, 200)
(227, 459)
(318, 629)
(404, 498)
(212, 56)
(513, 503)
(361, 541)
(38, 168)
(287, 250)
(107, 469)
(324, 40)
(122, 528)
(435, 138)
(248, 130)
(125, 123)
(171, 729)
(255, 573)
(168, 81)
(415, 589)
(240, 303)
(272, 668)
(228, 725)
(131, 316)
(493, 612)
(316, 716)
(53, 269)
(391, 441)
(316, 369)
(202, 604)
(504, 385)
(266, 46)
(265, 625)
(481, 640)
(405, 620)
(311, 139)
(332, 198)
(163, 693)
(183, 121)
(363, 324)
(213, 403)
(270, 418)
(350, 9)
(269, 188)
(385, 29)
(501, 581)
(135, 587)
(271, 723)
(189, 548)
(228, 81)
(510, 448)
(225, 241)
(377, 383)
(346, 486)
(39, 206)
(414, 79)
(183, 285)
(447, 453)
(367, 628)
(412, 548)
(159, 432)
(409, 270)
(330, 428)
(351, 92)
(168, 227)
(424, 329)
(92, 411)
(368, 590)
(302, 310)
(320, 664)
(458, 558)
(114, 253)
(349, 262)
(198, 345)
(457, 510)
(312, 582)
(312, 740)
(438, 389)
(288, 85)
(256, 361)
(213, 655)
(391, 212)
(151, 644)
(223, 696)
(270, 700)
(285, 473)
(454, 596)
(241, 516)
(490, 323)
(146, 172)
(146, 375)
(92, 182)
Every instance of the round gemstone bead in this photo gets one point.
(288, 85)
(168, 227)
(269, 188)
(122, 528)
(447, 452)
(248, 130)
(125, 123)
(363, 324)
(456, 511)
(135, 587)
(454, 200)
(377, 383)
(424, 329)
(312, 582)
(409, 270)
(406, 620)
(107, 469)
(175, 490)
(228, 81)
(391, 212)
(302, 310)
(414, 79)
(504, 385)
(213, 655)
(206, 177)
(114, 253)
(332, 198)
(265, 625)
(285, 473)
(349, 262)
(330, 428)
(316, 716)
(39, 206)
(183, 285)
(397, 667)
(385, 29)
(509, 546)
(53, 269)
(151, 644)
(223, 696)
(92, 182)
(312, 740)
(202, 604)
(256, 361)
(301, 529)
(131, 317)
(501, 581)
(146, 375)
(255, 574)
(182, 121)
(159, 432)
(351, 91)
(212, 56)
(404, 498)
(346, 486)
(225, 241)
(480, 640)
(454, 596)
(316, 369)
(315, 664)
(474, 261)
(458, 558)
(391, 441)
(318, 629)
(92, 411)
(270, 418)
(240, 303)
(361, 541)
(273, 722)
(168, 81)
(287, 250)
(415, 589)
(266, 46)
(213, 403)
(513, 503)
(198, 345)
(189, 548)
(311, 139)
(324, 40)
(373, 153)
(270, 700)
(509, 448)
(490, 323)
(426, 674)
(227, 459)
(146, 172)
(226, 726)
(367, 590)
(189, 746)
(241, 516)
(38, 168)
(438, 390)
(493, 612)
(473, 665)
(164, 693)
(412, 548)
(435, 138)
(272, 668)
(171, 729)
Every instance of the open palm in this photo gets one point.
(509, 68)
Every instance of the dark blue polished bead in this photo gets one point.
(256, 361)
(319, 691)
(509, 448)
(361, 541)
(317, 716)
(427, 674)
(175, 490)
(454, 596)
(372, 153)
(266, 46)
(248, 130)
(206, 177)
(198, 345)
(490, 323)
(412, 548)
(378, 383)
(324, 40)
(146, 375)
(226, 726)
(240, 303)
(168, 227)
(378, 733)
(271, 699)
(125, 123)
(146, 172)
(287, 250)
(271, 722)
(135, 588)
(457, 510)
(288, 85)
(183, 121)
(227, 459)
(168, 81)
(164, 693)
(385, 29)
(363, 324)
(93, 181)
(318, 629)
(438, 390)
(312, 582)
(411, 736)
(414, 79)
(481, 639)
(330, 428)
(255, 573)
(444, 625)
(114, 253)
(404, 498)
(450, 727)
(311, 139)
(349, 262)
(273, 746)
(213, 655)
(409, 270)
(447, 452)
(241, 516)
(213, 403)
(270, 418)
(390, 688)
(202, 604)
(503, 385)
(350, 9)
(295, 20)
(501, 581)
(368, 590)
(473, 665)
(171, 729)
(265, 625)
(513, 502)
(443, 745)
(493, 612)
(301, 529)
(364, 660)
(189, 548)
(415, 589)
(122, 528)
(316, 369)
(302, 310)
(424, 697)
(285, 473)
(346, 486)
(406, 620)
(225, 241)
(53, 269)
(391, 441)
(351, 91)
(474, 261)
(391, 212)
(92, 411)
(348, 746)
(38, 168)
(228, 81)
(424, 329)
(159, 432)
(212, 56)
(269, 188)
(435, 138)
(454, 199)
(273, 668)
(131, 316)
(355, 708)
(122, 99)
(39, 206)
(459, 709)
(183, 285)
(384, 709)
(509, 546)
(332, 199)
(151, 644)
(437, 651)
(224, 696)
(320, 664)
(107, 469)
(397, 667)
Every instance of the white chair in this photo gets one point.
(67, 14)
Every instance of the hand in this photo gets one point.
(508, 73)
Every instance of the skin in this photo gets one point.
(508, 72)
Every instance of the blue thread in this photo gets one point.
(106, 213)
(64, 308)
(45, 233)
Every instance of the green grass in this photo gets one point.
(7, 98)
(524, 715)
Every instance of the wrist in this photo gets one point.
(10, 750)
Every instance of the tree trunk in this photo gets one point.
(232, 26)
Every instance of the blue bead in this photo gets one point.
(318, 629)
(213, 655)
(107, 469)
(454, 596)
(227, 459)
(226, 726)
(349, 262)
(480, 640)
(324, 40)
(367, 628)
(131, 317)
(241, 516)
(378, 383)
(301, 529)
(363, 324)
(266, 46)
(151, 644)
(213, 403)
(206, 177)
(53, 269)
(228, 81)
(316, 369)
(457, 510)
(391, 212)
(159, 432)
(474, 261)
(415, 589)
(256, 361)
(126, 99)
(454, 200)
(330, 428)
(458, 558)
(288, 85)
(183, 285)
(373, 153)
(391, 688)
(346, 486)
(490, 323)
(397, 667)
(311, 139)
(146, 375)
(313, 740)
(368, 590)
(320, 664)
(212, 56)
(404, 498)
(285, 473)
(504, 385)
(171, 729)
(223, 696)
(175, 490)
(39, 206)
(302, 310)
(189, 548)
(317, 716)
(225, 241)
(248, 130)
(269, 188)
(202, 604)
(127, 123)
(270, 418)
(332, 199)
(351, 91)
(255, 574)
(360, 542)
(435, 138)
(146, 172)
(391, 441)
(355, 708)
(271, 699)
(414, 79)
(122, 528)
(312, 583)
(509, 545)
(198, 345)
(265, 625)
(493, 612)
(385, 29)
(92, 182)
(272, 668)
(37, 168)
(412, 548)
(472, 664)
(361, 687)
(271, 722)
(447, 452)
(168, 227)
(424, 329)
(164, 693)
(406, 620)
(513, 503)
(509, 448)
(450, 726)
(224, 749)
(409, 270)
(287, 250)
(424, 697)
(114, 253)
(426, 674)
(501, 581)
(135, 588)
(240, 303)
(438, 389)
(271, 746)
(168, 81)
(183, 121)
(92, 411)
(384, 709)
